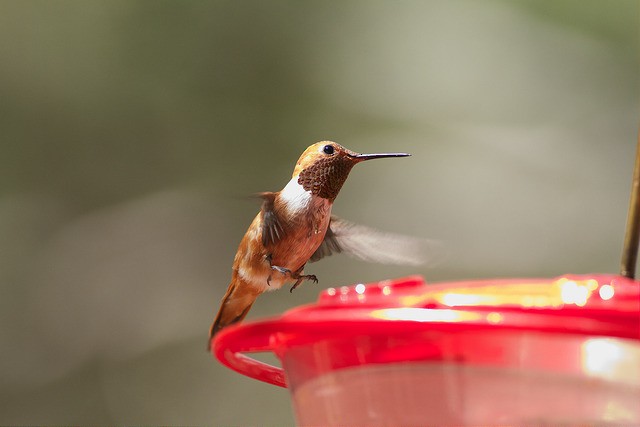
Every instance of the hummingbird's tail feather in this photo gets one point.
(235, 305)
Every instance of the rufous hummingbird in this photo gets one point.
(295, 226)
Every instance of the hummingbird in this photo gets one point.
(295, 226)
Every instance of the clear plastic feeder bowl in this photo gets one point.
(524, 352)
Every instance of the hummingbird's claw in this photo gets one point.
(301, 278)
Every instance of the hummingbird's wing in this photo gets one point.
(272, 226)
(372, 245)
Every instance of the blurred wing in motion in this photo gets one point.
(371, 245)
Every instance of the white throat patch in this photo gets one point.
(294, 196)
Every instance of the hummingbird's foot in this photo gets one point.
(280, 270)
(304, 277)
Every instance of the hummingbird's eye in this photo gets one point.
(328, 149)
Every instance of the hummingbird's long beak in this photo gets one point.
(362, 157)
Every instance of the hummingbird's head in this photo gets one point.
(324, 167)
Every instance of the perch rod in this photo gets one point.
(630, 249)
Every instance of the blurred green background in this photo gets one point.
(132, 132)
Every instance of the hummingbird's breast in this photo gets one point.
(306, 229)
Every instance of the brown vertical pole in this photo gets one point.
(630, 249)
